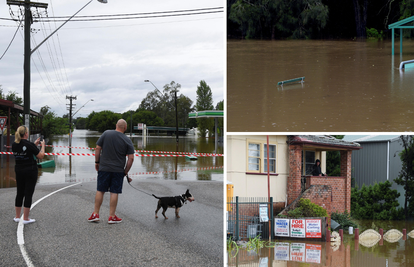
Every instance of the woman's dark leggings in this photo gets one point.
(26, 178)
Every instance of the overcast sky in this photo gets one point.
(108, 61)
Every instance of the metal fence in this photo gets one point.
(243, 218)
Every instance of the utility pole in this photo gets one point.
(176, 118)
(70, 117)
(28, 20)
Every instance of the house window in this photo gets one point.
(254, 157)
(309, 157)
(272, 158)
(257, 157)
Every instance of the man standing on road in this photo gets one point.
(111, 151)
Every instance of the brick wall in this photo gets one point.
(340, 199)
(295, 167)
(346, 173)
(335, 200)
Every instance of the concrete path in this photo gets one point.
(62, 236)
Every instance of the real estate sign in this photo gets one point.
(297, 228)
(282, 227)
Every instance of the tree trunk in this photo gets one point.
(360, 18)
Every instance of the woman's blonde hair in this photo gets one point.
(21, 131)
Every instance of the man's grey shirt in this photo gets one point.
(115, 147)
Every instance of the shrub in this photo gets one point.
(306, 208)
(374, 34)
(344, 219)
(378, 202)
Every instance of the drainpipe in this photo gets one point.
(388, 160)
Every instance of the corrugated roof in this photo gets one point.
(326, 140)
(370, 138)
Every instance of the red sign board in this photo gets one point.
(3, 120)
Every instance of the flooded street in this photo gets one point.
(350, 86)
(349, 253)
(82, 168)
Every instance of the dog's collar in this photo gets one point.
(183, 199)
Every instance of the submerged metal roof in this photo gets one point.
(371, 138)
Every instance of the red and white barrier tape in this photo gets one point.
(137, 155)
(181, 170)
(144, 151)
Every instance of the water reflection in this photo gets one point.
(349, 86)
(349, 252)
(82, 168)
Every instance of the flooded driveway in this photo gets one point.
(349, 86)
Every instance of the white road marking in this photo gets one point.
(20, 228)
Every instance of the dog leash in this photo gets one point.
(135, 187)
(185, 201)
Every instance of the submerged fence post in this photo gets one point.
(237, 218)
(271, 219)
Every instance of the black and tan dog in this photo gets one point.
(172, 202)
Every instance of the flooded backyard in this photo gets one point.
(350, 86)
(82, 169)
(349, 252)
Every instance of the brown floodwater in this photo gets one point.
(70, 169)
(350, 252)
(350, 86)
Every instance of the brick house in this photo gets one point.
(291, 160)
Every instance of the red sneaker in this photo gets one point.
(94, 218)
(114, 219)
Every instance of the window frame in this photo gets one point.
(261, 157)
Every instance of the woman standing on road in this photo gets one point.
(25, 153)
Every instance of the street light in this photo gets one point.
(27, 49)
(176, 110)
(70, 121)
(83, 105)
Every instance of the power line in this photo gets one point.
(11, 40)
(132, 16)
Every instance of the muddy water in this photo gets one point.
(348, 253)
(349, 86)
(82, 168)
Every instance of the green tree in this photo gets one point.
(204, 102)
(279, 18)
(104, 120)
(220, 106)
(377, 202)
(163, 104)
(142, 116)
(184, 105)
(80, 123)
(406, 175)
(53, 124)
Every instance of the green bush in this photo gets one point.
(374, 34)
(306, 208)
(378, 202)
(344, 219)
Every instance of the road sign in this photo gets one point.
(3, 120)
